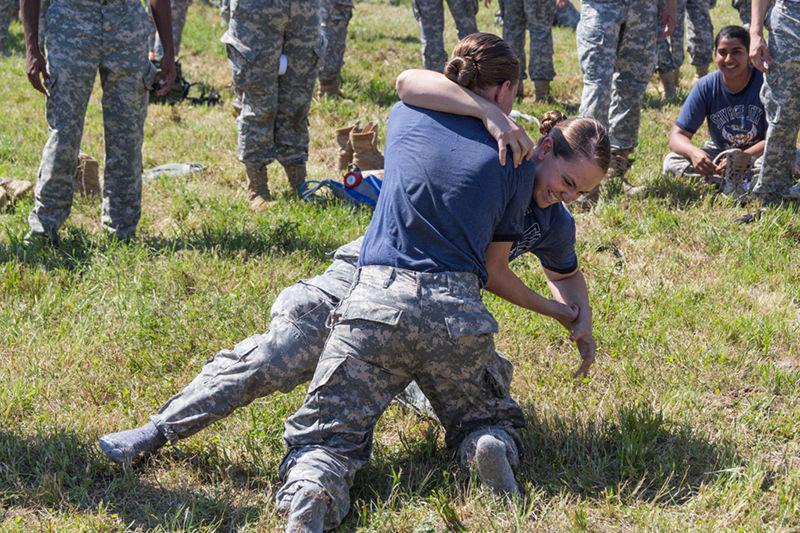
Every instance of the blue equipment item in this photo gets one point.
(355, 187)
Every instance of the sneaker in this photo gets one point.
(736, 176)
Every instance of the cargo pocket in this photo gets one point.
(149, 76)
(240, 57)
(350, 311)
(472, 323)
(493, 383)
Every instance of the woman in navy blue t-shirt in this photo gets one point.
(728, 100)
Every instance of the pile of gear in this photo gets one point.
(182, 90)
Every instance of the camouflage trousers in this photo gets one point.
(82, 38)
(617, 52)
(567, 16)
(335, 16)
(273, 122)
(178, 11)
(744, 7)
(396, 326)
(694, 17)
(681, 166)
(8, 10)
(781, 101)
(430, 15)
(535, 16)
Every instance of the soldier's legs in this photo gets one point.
(681, 166)
(514, 31)
(336, 15)
(125, 73)
(635, 63)
(670, 50)
(540, 14)
(464, 13)
(6, 14)
(179, 11)
(295, 88)
(282, 358)
(72, 73)
(430, 15)
(567, 16)
(597, 36)
(699, 33)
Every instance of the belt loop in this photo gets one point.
(390, 279)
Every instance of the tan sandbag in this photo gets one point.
(87, 179)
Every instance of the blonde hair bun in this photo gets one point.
(461, 70)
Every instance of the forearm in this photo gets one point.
(432, 90)
(505, 284)
(30, 23)
(162, 16)
(757, 150)
(758, 11)
(572, 291)
(681, 144)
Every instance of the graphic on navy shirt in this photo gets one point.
(738, 124)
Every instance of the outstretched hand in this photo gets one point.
(508, 133)
(584, 340)
(36, 69)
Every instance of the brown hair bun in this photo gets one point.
(549, 121)
(461, 70)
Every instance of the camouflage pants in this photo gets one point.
(681, 166)
(335, 16)
(781, 101)
(617, 52)
(670, 50)
(394, 327)
(179, 10)
(82, 38)
(699, 32)
(430, 15)
(273, 122)
(536, 16)
(744, 7)
(8, 10)
(567, 16)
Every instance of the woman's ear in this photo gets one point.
(544, 148)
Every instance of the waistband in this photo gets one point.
(382, 275)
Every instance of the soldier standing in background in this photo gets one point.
(82, 37)
(430, 15)
(8, 9)
(273, 121)
(700, 37)
(700, 34)
(780, 60)
(567, 16)
(335, 16)
(537, 17)
(617, 51)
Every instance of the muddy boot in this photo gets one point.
(87, 178)
(520, 90)
(345, 147)
(541, 90)
(669, 80)
(307, 510)
(330, 88)
(257, 187)
(297, 175)
(615, 177)
(365, 149)
(700, 70)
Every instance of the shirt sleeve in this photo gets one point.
(512, 223)
(556, 251)
(693, 110)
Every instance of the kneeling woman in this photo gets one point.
(443, 228)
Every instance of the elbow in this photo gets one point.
(401, 84)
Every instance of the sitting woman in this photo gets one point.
(729, 100)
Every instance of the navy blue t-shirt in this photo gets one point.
(444, 196)
(734, 120)
(550, 235)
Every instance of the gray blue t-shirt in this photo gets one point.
(735, 120)
(444, 197)
(550, 235)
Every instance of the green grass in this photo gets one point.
(691, 419)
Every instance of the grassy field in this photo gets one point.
(691, 419)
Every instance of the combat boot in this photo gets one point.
(670, 80)
(345, 147)
(87, 178)
(365, 149)
(330, 88)
(615, 177)
(257, 187)
(701, 70)
(296, 174)
(541, 90)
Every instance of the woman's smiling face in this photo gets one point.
(562, 180)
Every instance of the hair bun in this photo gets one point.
(461, 70)
(549, 121)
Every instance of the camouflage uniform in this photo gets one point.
(617, 51)
(8, 10)
(567, 16)
(273, 122)
(537, 17)
(282, 358)
(225, 10)
(82, 37)
(744, 7)
(670, 50)
(178, 11)
(699, 32)
(430, 15)
(396, 326)
(335, 15)
(781, 100)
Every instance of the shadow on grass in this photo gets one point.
(59, 470)
(677, 191)
(636, 453)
